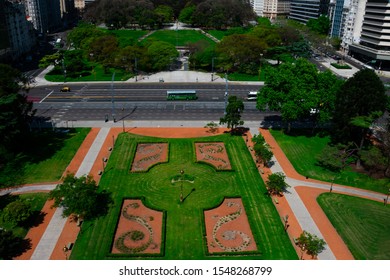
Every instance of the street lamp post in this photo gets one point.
(181, 185)
(226, 92)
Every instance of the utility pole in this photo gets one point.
(112, 97)
(226, 92)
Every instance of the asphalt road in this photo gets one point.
(145, 101)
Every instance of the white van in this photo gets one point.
(252, 96)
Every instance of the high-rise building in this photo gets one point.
(19, 36)
(271, 8)
(303, 10)
(276, 8)
(355, 10)
(44, 14)
(337, 14)
(373, 44)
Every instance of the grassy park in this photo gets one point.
(179, 37)
(366, 232)
(207, 191)
(301, 148)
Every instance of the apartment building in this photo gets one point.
(373, 43)
(44, 14)
(303, 10)
(337, 14)
(19, 35)
(274, 9)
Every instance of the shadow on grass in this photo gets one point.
(34, 220)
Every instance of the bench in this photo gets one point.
(69, 246)
(295, 241)
(276, 200)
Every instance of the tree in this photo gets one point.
(12, 246)
(373, 159)
(241, 51)
(276, 183)
(361, 98)
(164, 14)
(232, 117)
(79, 196)
(262, 149)
(186, 15)
(103, 50)
(15, 115)
(161, 55)
(294, 89)
(17, 212)
(321, 25)
(311, 243)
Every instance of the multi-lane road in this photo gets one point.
(132, 101)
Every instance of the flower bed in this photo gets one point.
(139, 229)
(149, 154)
(213, 153)
(227, 228)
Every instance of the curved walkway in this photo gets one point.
(301, 199)
(299, 203)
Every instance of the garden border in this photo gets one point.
(153, 165)
(210, 164)
(145, 255)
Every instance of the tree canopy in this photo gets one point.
(311, 243)
(79, 196)
(234, 109)
(298, 91)
(361, 96)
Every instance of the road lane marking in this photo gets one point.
(46, 96)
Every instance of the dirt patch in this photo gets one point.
(227, 228)
(149, 154)
(213, 153)
(139, 229)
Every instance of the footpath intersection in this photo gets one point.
(299, 203)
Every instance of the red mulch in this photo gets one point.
(152, 218)
(230, 235)
(213, 153)
(149, 154)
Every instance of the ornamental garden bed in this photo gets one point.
(139, 230)
(213, 153)
(228, 229)
(148, 155)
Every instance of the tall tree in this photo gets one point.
(276, 183)
(296, 89)
(79, 196)
(15, 115)
(234, 109)
(239, 51)
(161, 55)
(358, 101)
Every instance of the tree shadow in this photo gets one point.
(7, 199)
(12, 246)
(103, 201)
(34, 220)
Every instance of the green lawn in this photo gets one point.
(97, 74)
(184, 223)
(179, 37)
(49, 154)
(36, 200)
(363, 224)
(127, 37)
(301, 150)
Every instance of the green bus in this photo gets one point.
(181, 95)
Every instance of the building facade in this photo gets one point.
(274, 9)
(337, 14)
(44, 14)
(20, 35)
(303, 10)
(373, 44)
